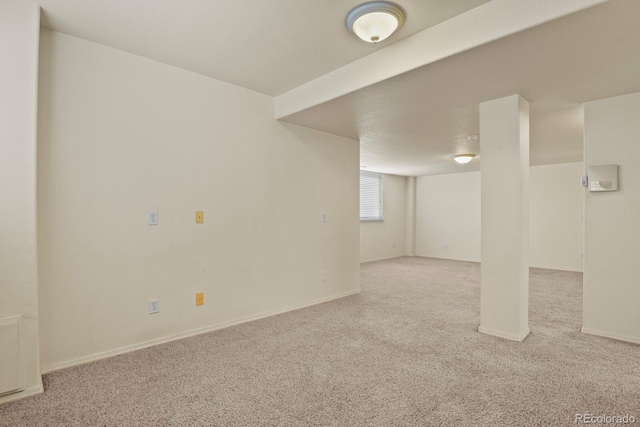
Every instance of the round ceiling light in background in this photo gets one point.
(375, 21)
(463, 159)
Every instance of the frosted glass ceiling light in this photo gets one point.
(463, 158)
(375, 21)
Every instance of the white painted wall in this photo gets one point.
(556, 230)
(386, 239)
(612, 228)
(121, 135)
(556, 202)
(19, 30)
(455, 197)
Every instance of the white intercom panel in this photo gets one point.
(603, 178)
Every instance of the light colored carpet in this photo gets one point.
(403, 352)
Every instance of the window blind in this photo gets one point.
(370, 196)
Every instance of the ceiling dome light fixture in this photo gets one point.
(375, 21)
(463, 159)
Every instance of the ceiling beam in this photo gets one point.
(486, 23)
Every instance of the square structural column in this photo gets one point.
(19, 326)
(504, 287)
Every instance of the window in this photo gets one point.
(370, 196)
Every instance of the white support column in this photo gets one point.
(410, 216)
(504, 300)
(19, 47)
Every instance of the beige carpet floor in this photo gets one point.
(403, 352)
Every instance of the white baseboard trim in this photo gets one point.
(187, 334)
(448, 259)
(513, 337)
(382, 259)
(22, 394)
(570, 270)
(619, 337)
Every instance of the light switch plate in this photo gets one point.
(154, 306)
(153, 217)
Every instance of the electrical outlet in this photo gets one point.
(199, 217)
(582, 255)
(324, 276)
(324, 217)
(445, 246)
(154, 306)
(200, 298)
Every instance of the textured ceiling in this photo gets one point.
(411, 124)
(269, 46)
(407, 125)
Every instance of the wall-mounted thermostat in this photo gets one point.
(603, 178)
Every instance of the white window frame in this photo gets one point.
(373, 193)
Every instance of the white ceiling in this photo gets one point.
(410, 124)
(269, 46)
(413, 123)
